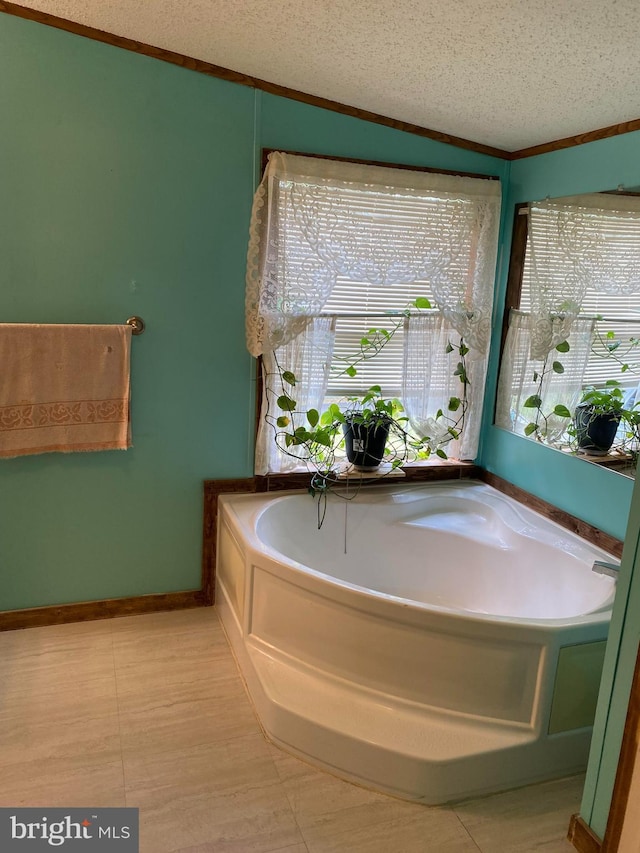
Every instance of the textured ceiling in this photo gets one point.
(506, 73)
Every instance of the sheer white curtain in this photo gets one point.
(579, 243)
(519, 369)
(427, 339)
(308, 357)
(314, 220)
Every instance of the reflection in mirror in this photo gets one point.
(570, 367)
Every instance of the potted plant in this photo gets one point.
(365, 435)
(366, 422)
(354, 432)
(598, 416)
(359, 426)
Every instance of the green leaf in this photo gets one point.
(365, 342)
(461, 372)
(536, 376)
(351, 371)
(558, 367)
(530, 429)
(336, 414)
(449, 348)
(610, 335)
(563, 346)
(422, 302)
(533, 402)
(624, 368)
(283, 421)
(454, 433)
(464, 349)
(313, 417)
(323, 437)
(289, 377)
(561, 411)
(454, 404)
(285, 403)
(439, 414)
(440, 452)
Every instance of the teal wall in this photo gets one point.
(596, 495)
(126, 189)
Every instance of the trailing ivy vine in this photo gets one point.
(319, 435)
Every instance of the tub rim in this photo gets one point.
(363, 597)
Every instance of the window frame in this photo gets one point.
(258, 362)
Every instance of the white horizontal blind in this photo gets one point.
(623, 236)
(360, 307)
(381, 239)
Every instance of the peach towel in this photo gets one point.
(63, 388)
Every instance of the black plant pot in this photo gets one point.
(365, 443)
(595, 431)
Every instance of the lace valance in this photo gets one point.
(581, 243)
(314, 220)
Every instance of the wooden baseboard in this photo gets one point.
(582, 836)
(85, 611)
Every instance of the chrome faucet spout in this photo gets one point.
(601, 567)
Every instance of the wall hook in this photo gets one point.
(137, 325)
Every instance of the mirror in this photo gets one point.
(570, 356)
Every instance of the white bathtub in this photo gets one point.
(431, 641)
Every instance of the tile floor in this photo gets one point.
(150, 712)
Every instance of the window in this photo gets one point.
(620, 311)
(359, 307)
(579, 259)
(337, 248)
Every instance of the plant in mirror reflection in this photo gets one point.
(550, 426)
(557, 426)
